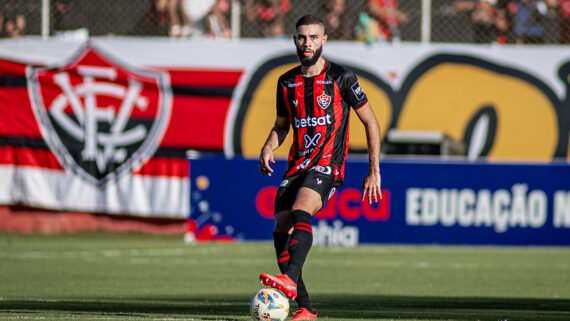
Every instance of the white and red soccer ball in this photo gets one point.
(269, 305)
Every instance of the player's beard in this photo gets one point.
(309, 61)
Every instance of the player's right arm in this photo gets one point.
(276, 137)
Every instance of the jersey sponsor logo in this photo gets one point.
(293, 85)
(304, 164)
(85, 113)
(324, 100)
(309, 151)
(324, 82)
(357, 90)
(312, 121)
(312, 141)
(327, 170)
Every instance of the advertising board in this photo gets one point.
(424, 202)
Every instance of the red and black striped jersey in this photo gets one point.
(319, 110)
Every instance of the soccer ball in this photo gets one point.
(269, 305)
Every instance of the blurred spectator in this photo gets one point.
(198, 12)
(12, 22)
(564, 20)
(527, 20)
(550, 24)
(489, 24)
(388, 17)
(269, 14)
(61, 14)
(502, 26)
(217, 20)
(156, 21)
(338, 24)
(179, 21)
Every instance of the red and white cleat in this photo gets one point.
(281, 282)
(304, 314)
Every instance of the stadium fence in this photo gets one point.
(441, 21)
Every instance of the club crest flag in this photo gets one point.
(100, 118)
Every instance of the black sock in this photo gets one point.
(302, 298)
(300, 244)
(281, 243)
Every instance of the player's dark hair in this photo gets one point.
(309, 20)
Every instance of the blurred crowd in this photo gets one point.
(186, 18)
(268, 18)
(501, 21)
(520, 21)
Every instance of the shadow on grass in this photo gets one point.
(353, 307)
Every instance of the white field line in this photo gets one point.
(439, 265)
(195, 256)
(103, 253)
(19, 317)
(10, 315)
(201, 261)
(328, 262)
(171, 302)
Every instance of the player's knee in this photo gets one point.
(310, 206)
(308, 200)
(283, 222)
(283, 229)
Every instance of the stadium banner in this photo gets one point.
(94, 134)
(427, 202)
(104, 126)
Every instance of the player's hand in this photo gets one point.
(371, 187)
(266, 158)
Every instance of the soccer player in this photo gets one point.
(314, 99)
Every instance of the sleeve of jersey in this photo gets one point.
(353, 93)
(282, 110)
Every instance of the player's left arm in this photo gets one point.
(371, 185)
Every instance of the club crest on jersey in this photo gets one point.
(324, 100)
(100, 118)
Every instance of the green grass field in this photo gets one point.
(142, 277)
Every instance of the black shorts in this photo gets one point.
(324, 184)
